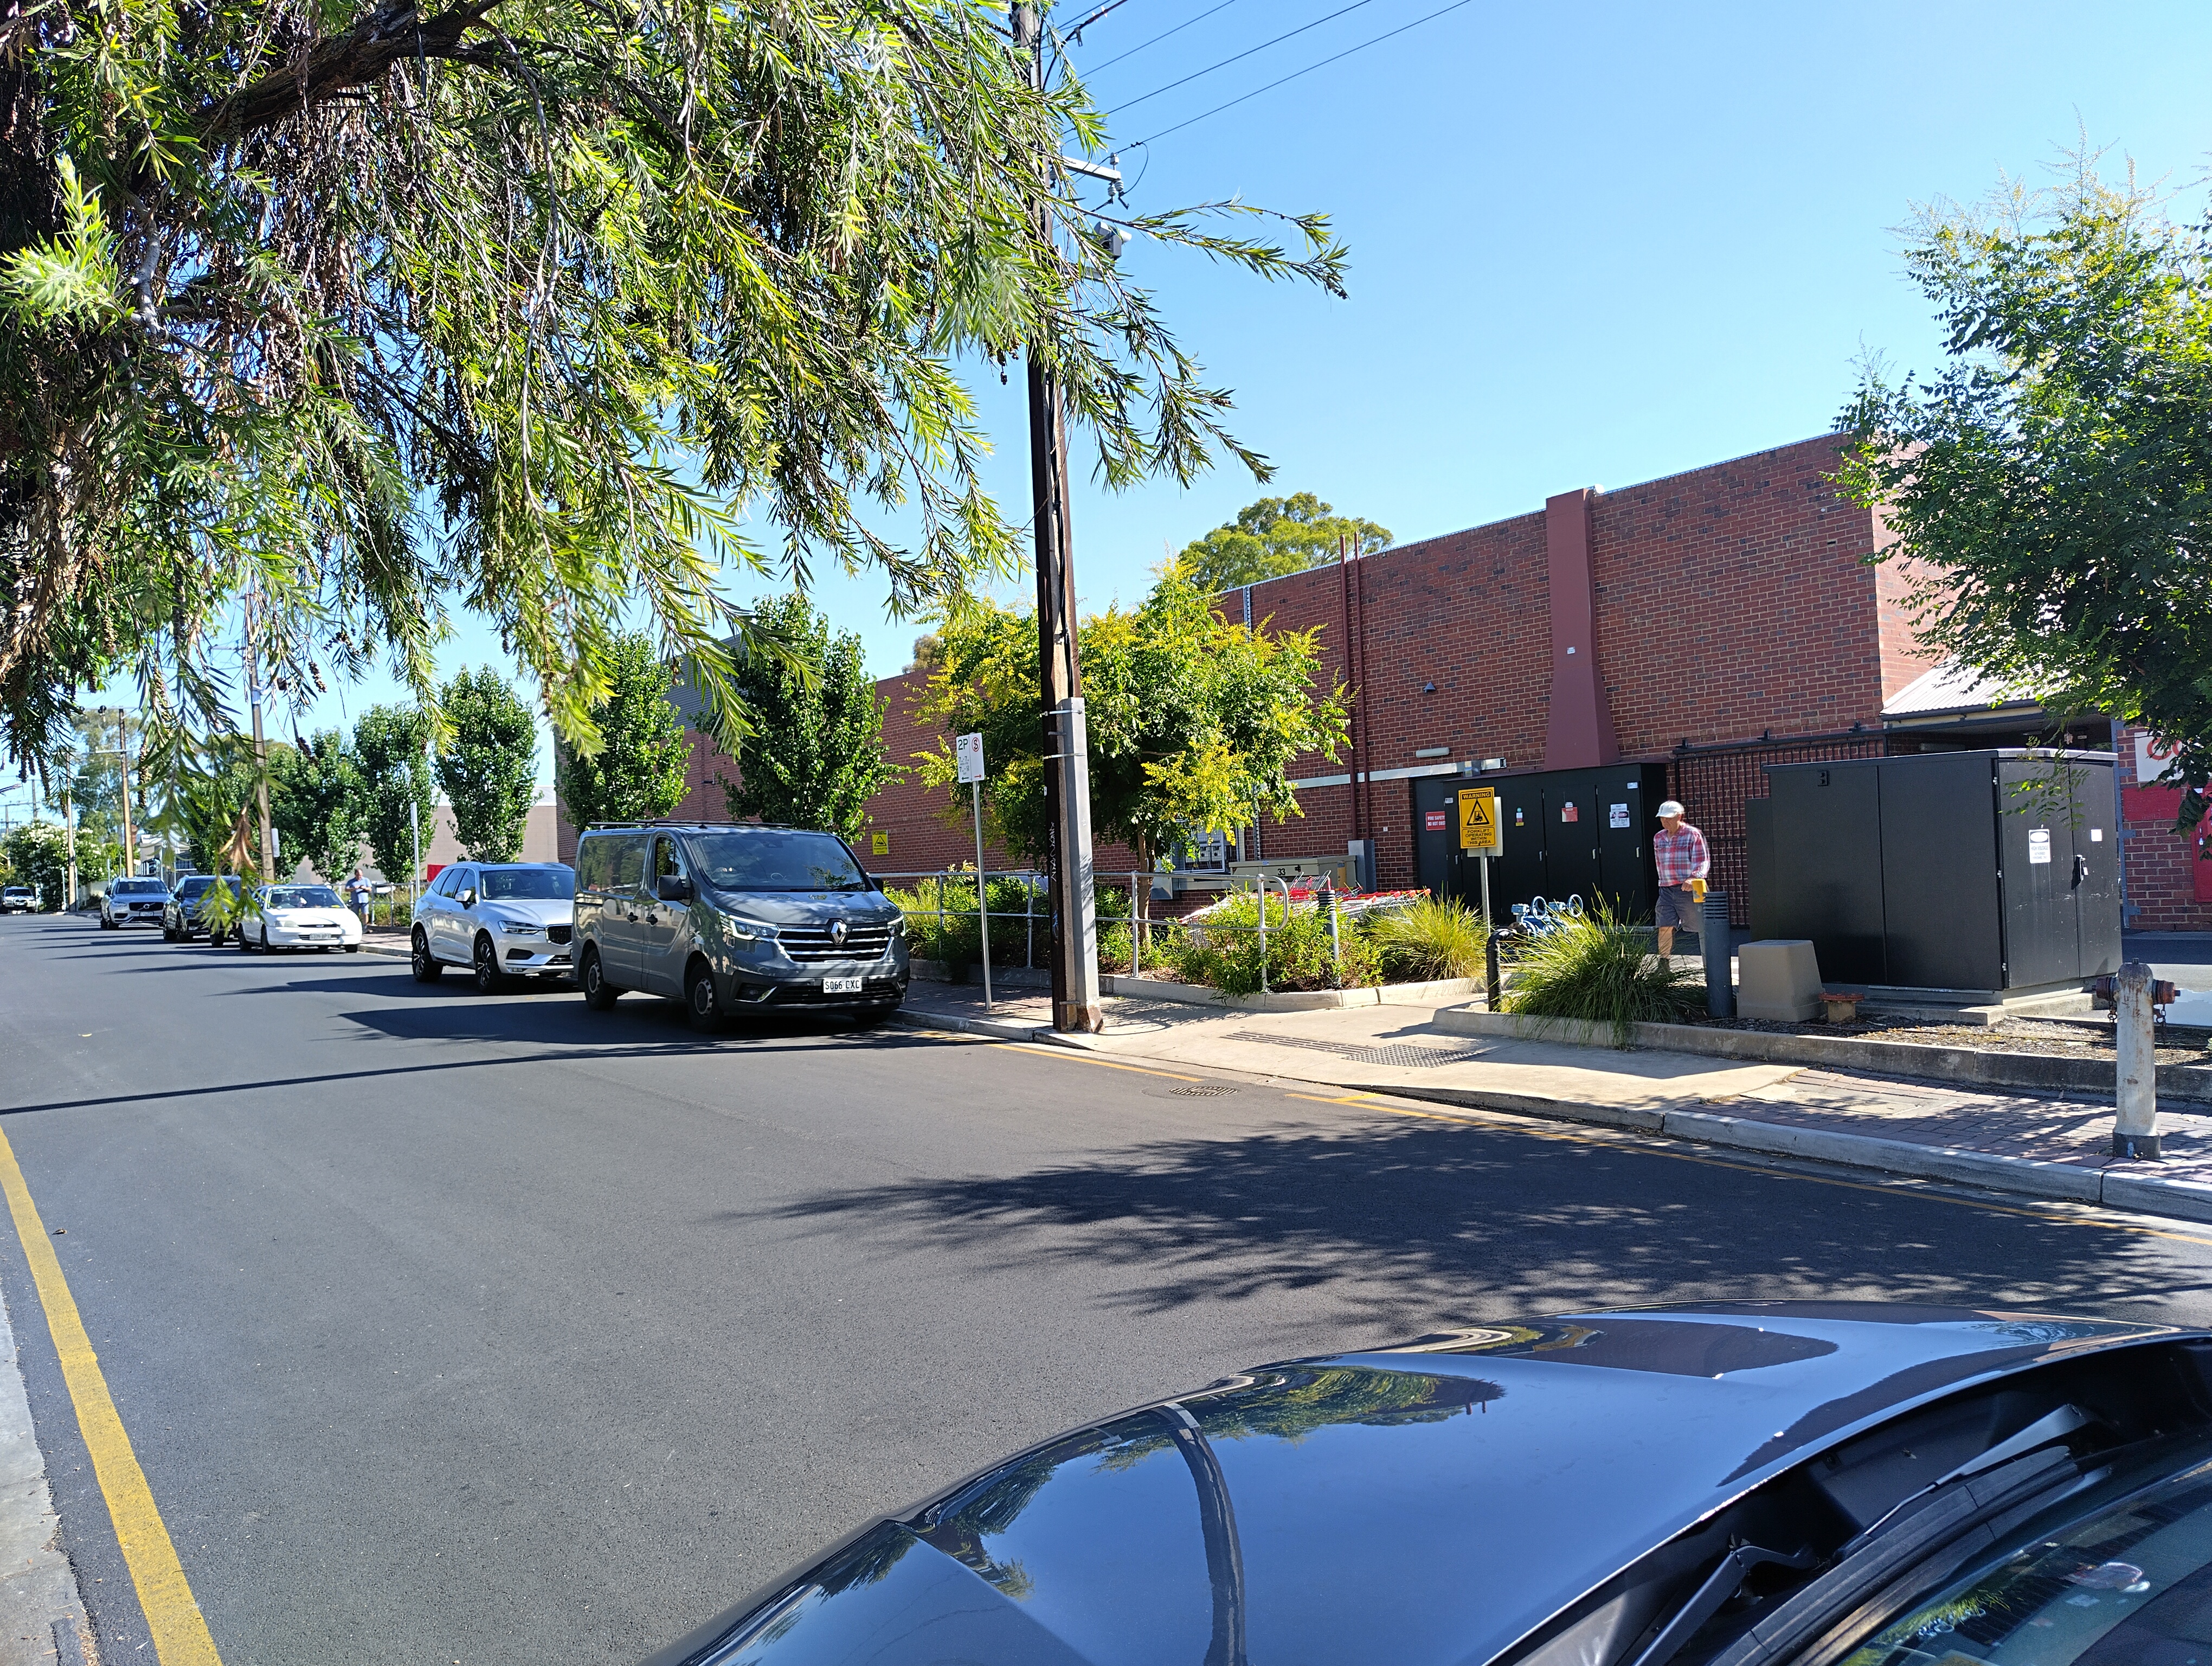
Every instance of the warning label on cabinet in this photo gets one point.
(2039, 844)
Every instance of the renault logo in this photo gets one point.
(837, 933)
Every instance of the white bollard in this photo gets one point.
(2135, 1126)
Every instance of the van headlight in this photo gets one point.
(747, 932)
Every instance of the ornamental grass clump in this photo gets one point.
(1597, 967)
(1430, 939)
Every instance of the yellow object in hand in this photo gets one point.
(1698, 889)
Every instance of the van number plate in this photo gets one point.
(840, 985)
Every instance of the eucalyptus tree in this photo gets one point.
(367, 313)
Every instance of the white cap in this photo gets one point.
(1672, 807)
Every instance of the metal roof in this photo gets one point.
(1952, 687)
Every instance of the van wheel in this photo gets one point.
(426, 966)
(701, 1001)
(599, 995)
(489, 979)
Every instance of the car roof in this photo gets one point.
(1475, 1483)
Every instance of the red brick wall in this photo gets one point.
(2169, 886)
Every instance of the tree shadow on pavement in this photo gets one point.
(1420, 1225)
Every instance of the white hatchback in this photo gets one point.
(299, 917)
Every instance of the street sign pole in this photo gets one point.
(968, 752)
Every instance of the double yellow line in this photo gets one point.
(181, 1632)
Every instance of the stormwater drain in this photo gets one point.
(1398, 1055)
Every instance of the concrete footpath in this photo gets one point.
(2039, 1144)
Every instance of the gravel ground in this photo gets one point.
(2177, 1045)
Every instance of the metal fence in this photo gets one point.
(1713, 783)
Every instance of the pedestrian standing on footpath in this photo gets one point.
(357, 894)
(1682, 855)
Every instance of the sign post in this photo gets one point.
(1480, 835)
(967, 751)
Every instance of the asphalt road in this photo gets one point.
(450, 1328)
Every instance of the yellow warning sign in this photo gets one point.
(1477, 820)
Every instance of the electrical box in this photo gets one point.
(1978, 872)
(1561, 833)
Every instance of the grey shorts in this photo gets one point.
(1677, 908)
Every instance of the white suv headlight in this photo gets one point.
(518, 928)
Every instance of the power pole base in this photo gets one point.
(1071, 1018)
(2137, 1148)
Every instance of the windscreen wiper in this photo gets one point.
(1723, 1583)
(1963, 1518)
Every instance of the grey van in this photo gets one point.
(731, 918)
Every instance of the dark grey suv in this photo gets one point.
(734, 918)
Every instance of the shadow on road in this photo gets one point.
(1428, 1224)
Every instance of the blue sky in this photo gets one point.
(1589, 245)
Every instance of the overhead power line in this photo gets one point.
(1131, 104)
(1334, 57)
(1159, 37)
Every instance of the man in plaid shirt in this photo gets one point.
(1682, 855)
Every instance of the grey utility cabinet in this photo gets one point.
(1968, 871)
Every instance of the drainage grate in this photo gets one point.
(1202, 1091)
(1398, 1055)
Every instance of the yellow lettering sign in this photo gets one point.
(1477, 820)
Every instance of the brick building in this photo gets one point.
(1717, 621)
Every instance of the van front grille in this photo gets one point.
(807, 944)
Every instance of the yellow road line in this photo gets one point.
(1028, 1050)
(180, 1632)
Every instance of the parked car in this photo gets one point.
(502, 919)
(132, 902)
(19, 899)
(1735, 1484)
(299, 917)
(734, 918)
(181, 918)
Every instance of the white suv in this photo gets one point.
(132, 903)
(502, 919)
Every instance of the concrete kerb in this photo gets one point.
(2134, 1187)
(1965, 1065)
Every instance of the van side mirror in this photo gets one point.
(672, 888)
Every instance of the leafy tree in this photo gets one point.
(210, 802)
(2051, 486)
(1275, 536)
(638, 772)
(816, 755)
(315, 800)
(37, 856)
(531, 309)
(95, 772)
(1192, 721)
(489, 769)
(390, 747)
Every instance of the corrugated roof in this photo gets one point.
(1952, 687)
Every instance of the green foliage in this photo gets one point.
(315, 798)
(1273, 537)
(1430, 939)
(487, 766)
(37, 856)
(1599, 968)
(1193, 722)
(209, 799)
(538, 312)
(957, 936)
(2049, 490)
(637, 772)
(1223, 950)
(816, 753)
(390, 747)
(94, 761)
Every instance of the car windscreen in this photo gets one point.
(303, 897)
(775, 859)
(137, 888)
(2126, 1582)
(192, 888)
(529, 885)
